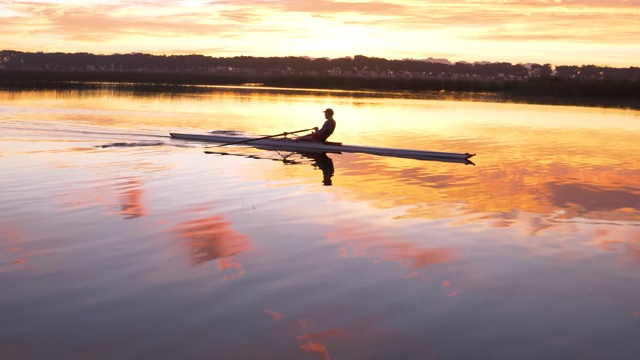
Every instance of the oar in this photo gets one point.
(264, 137)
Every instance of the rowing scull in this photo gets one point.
(330, 147)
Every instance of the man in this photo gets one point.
(325, 131)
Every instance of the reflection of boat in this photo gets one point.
(327, 147)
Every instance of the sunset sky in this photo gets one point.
(560, 32)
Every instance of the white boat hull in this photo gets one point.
(305, 146)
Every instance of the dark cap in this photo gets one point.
(328, 111)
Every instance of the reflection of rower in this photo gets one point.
(324, 163)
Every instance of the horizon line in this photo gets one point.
(436, 60)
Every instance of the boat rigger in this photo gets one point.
(292, 144)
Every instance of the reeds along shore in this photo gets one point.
(547, 90)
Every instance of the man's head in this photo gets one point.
(328, 113)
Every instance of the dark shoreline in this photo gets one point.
(614, 93)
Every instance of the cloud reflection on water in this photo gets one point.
(122, 196)
(12, 244)
(448, 246)
(212, 238)
(358, 240)
(588, 198)
(130, 199)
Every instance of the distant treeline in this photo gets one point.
(588, 83)
(358, 66)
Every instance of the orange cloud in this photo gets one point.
(468, 30)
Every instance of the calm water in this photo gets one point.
(117, 242)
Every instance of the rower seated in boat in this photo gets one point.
(322, 134)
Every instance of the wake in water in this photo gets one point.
(228, 132)
(132, 144)
(102, 136)
(77, 130)
(159, 143)
(105, 137)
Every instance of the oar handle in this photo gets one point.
(292, 132)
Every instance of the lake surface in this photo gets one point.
(117, 242)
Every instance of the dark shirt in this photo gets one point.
(327, 129)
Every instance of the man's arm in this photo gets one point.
(326, 127)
